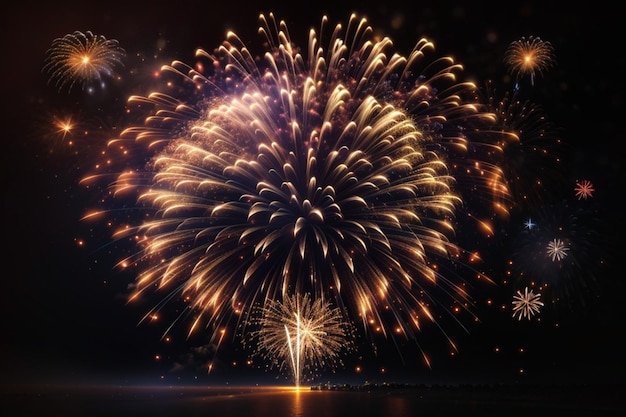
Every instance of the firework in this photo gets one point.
(526, 304)
(82, 58)
(556, 249)
(302, 335)
(529, 57)
(282, 174)
(584, 189)
(529, 224)
(561, 254)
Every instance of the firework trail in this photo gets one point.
(82, 58)
(261, 177)
(531, 150)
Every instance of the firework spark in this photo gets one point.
(529, 56)
(285, 174)
(303, 335)
(526, 304)
(82, 58)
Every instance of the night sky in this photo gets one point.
(64, 311)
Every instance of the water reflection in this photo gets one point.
(297, 410)
(69, 401)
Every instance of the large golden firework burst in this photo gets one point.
(327, 173)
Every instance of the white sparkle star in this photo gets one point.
(526, 304)
(557, 250)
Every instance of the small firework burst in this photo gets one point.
(529, 57)
(82, 58)
(526, 304)
(529, 224)
(557, 250)
(301, 336)
(584, 189)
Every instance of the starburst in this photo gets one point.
(529, 224)
(529, 56)
(584, 189)
(301, 335)
(82, 58)
(557, 249)
(526, 304)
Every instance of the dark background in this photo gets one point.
(63, 314)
